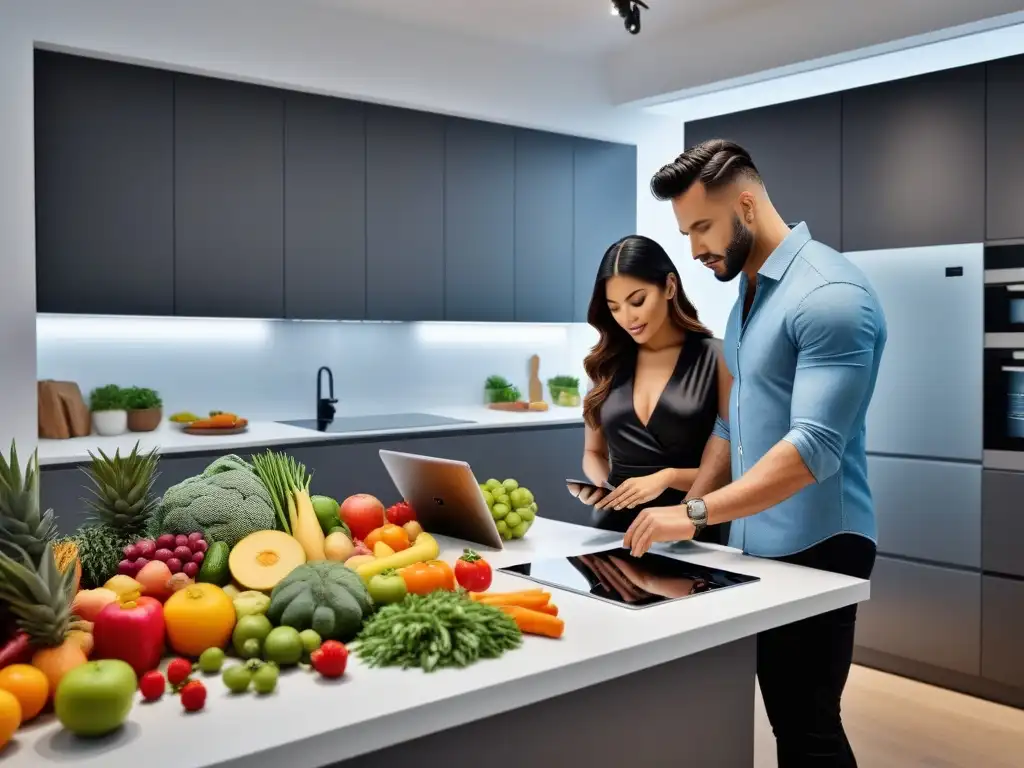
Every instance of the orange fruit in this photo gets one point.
(10, 717)
(28, 685)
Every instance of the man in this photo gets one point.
(803, 344)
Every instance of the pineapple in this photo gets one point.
(22, 527)
(122, 490)
(40, 598)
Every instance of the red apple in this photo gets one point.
(362, 513)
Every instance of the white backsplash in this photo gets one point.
(267, 369)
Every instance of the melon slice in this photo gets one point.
(262, 559)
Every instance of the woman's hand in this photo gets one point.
(636, 490)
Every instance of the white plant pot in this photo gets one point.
(108, 423)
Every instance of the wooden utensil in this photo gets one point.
(536, 388)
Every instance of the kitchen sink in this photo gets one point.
(376, 422)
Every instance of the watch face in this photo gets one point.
(696, 511)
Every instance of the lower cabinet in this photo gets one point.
(923, 613)
(539, 459)
(1002, 631)
(1003, 522)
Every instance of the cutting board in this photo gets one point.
(63, 413)
(536, 388)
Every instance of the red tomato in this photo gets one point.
(473, 572)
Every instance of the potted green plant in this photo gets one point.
(565, 391)
(145, 409)
(498, 389)
(109, 414)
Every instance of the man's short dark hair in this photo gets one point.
(715, 163)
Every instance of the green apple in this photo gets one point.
(95, 698)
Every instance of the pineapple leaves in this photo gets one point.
(121, 489)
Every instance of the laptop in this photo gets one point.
(446, 496)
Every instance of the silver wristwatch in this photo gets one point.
(698, 514)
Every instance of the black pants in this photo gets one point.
(802, 667)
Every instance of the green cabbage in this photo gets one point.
(226, 503)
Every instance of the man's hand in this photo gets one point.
(635, 491)
(657, 524)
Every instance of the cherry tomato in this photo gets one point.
(473, 572)
(424, 578)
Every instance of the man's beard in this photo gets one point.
(737, 252)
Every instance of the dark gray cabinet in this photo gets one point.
(604, 210)
(1002, 511)
(1004, 149)
(928, 510)
(404, 214)
(543, 227)
(479, 221)
(104, 187)
(914, 161)
(324, 208)
(1002, 634)
(797, 148)
(923, 613)
(539, 458)
(228, 199)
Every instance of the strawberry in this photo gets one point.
(178, 671)
(152, 685)
(330, 659)
(193, 696)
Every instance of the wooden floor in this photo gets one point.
(893, 722)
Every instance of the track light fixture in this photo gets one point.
(629, 10)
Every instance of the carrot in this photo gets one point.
(550, 609)
(527, 599)
(534, 622)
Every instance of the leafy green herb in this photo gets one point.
(497, 382)
(564, 382)
(107, 398)
(442, 629)
(141, 399)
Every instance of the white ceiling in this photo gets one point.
(571, 27)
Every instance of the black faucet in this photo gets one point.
(325, 405)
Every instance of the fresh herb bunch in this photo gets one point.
(501, 390)
(100, 551)
(107, 398)
(141, 399)
(564, 382)
(442, 629)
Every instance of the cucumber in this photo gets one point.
(214, 569)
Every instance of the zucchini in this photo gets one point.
(214, 569)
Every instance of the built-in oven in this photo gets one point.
(1004, 357)
(1004, 289)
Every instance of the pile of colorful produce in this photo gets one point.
(239, 561)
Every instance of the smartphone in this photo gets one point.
(577, 487)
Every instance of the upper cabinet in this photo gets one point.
(324, 208)
(172, 194)
(1004, 214)
(404, 214)
(104, 187)
(479, 221)
(543, 227)
(228, 199)
(797, 148)
(604, 210)
(914, 161)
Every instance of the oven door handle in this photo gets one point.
(1015, 288)
(1013, 369)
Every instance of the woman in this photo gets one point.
(659, 381)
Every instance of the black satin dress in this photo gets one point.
(675, 436)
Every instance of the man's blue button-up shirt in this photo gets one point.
(804, 364)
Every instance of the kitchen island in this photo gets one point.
(672, 684)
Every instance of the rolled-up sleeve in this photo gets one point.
(721, 428)
(838, 330)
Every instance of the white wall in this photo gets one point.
(303, 48)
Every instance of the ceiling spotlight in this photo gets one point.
(629, 10)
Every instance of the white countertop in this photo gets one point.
(308, 723)
(169, 439)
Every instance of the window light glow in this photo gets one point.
(490, 333)
(106, 329)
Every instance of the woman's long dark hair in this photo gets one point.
(644, 259)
